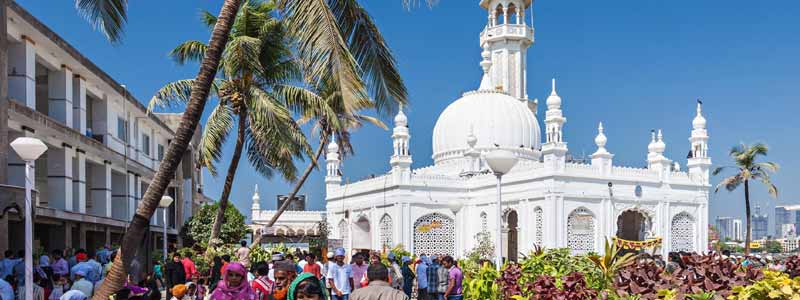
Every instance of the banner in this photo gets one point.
(637, 245)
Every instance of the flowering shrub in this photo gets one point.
(774, 286)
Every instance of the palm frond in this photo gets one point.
(208, 19)
(768, 166)
(107, 16)
(719, 170)
(189, 51)
(730, 183)
(322, 48)
(215, 132)
(176, 93)
(241, 56)
(379, 69)
(371, 120)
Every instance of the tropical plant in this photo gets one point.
(610, 262)
(258, 254)
(482, 286)
(774, 286)
(747, 169)
(509, 280)
(483, 250)
(198, 228)
(558, 263)
(175, 151)
(573, 288)
(792, 264)
(256, 69)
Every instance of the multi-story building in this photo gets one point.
(760, 223)
(729, 228)
(786, 214)
(103, 147)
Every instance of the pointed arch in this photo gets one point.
(682, 232)
(343, 232)
(581, 233)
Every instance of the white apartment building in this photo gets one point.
(104, 148)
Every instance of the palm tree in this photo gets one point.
(747, 169)
(345, 57)
(166, 171)
(257, 67)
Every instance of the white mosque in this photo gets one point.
(548, 199)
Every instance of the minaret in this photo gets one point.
(401, 159)
(333, 177)
(656, 159)
(698, 161)
(507, 37)
(554, 149)
(602, 158)
(256, 200)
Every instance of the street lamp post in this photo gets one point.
(500, 162)
(455, 206)
(28, 149)
(164, 204)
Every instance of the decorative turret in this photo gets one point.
(507, 38)
(554, 148)
(486, 65)
(256, 201)
(602, 158)
(655, 157)
(333, 175)
(473, 155)
(401, 159)
(698, 162)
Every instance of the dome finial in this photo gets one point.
(601, 139)
(553, 91)
(486, 64)
(554, 101)
(471, 139)
(699, 121)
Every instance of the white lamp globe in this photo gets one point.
(165, 201)
(501, 161)
(28, 148)
(455, 205)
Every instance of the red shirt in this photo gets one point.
(188, 267)
(313, 269)
(263, 287)
(224, 267)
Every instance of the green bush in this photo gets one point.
(483, 285)
(198, 228)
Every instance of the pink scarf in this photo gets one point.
(241, 292)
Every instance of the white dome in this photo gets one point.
(495, 118)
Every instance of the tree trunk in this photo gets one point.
(191, 117)
(3, 95)
(747, 236)
(226, 190)
(323, 139)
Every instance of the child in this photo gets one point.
(306, 287)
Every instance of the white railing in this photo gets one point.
(634, 172)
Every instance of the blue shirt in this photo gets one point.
(103, 255)
(422, 276)
(6, 291)
(87, 268)
(96, 272)
(341, 277)
(7, 266)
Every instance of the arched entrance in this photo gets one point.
(633, 225)
(361, 234)
(511, 235)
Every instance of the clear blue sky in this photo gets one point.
(634, 65)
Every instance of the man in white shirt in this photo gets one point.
(340, 277)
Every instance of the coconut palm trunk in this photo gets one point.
(166, 171)
(226, 190)
(747, 236)
(323, 139)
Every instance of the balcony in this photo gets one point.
(507, 31)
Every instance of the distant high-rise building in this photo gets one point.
(299, 203)
(760, 224)
(729, 228)
(786, 214)
(788, 231)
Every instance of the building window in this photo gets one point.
(538, 218)
(122, 129)
(580, 231)
(160, 152)
(146, 144)
(386, 232)
(434, 234)
(682, 232)
(484, 223)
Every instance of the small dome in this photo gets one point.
(600, 140)
(554, 101)
(699, 121)
(493, 117)
(333, 147)
(652, 146)
(660, 146)
(400, 120)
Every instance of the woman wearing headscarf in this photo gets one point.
(233, 285)
(216, 272)
(306, 287)
(408, 276)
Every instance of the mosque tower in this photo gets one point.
(507, 37)
(698, 161)
(401, 159)
(333, 176)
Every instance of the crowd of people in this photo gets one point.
(77, 275)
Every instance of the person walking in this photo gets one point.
(312, 266)
(325, 269)
(188, 266)
(422, 278)
(243, 254)
(82, 284)
(340, 277)
(455, 278)
(216, 273)
(433, 278)
(443, 276)
(175, 274)
(408, 276)
(59, 265)
(395, 274)
(262, 285)
(378, 287)
(359, 270)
